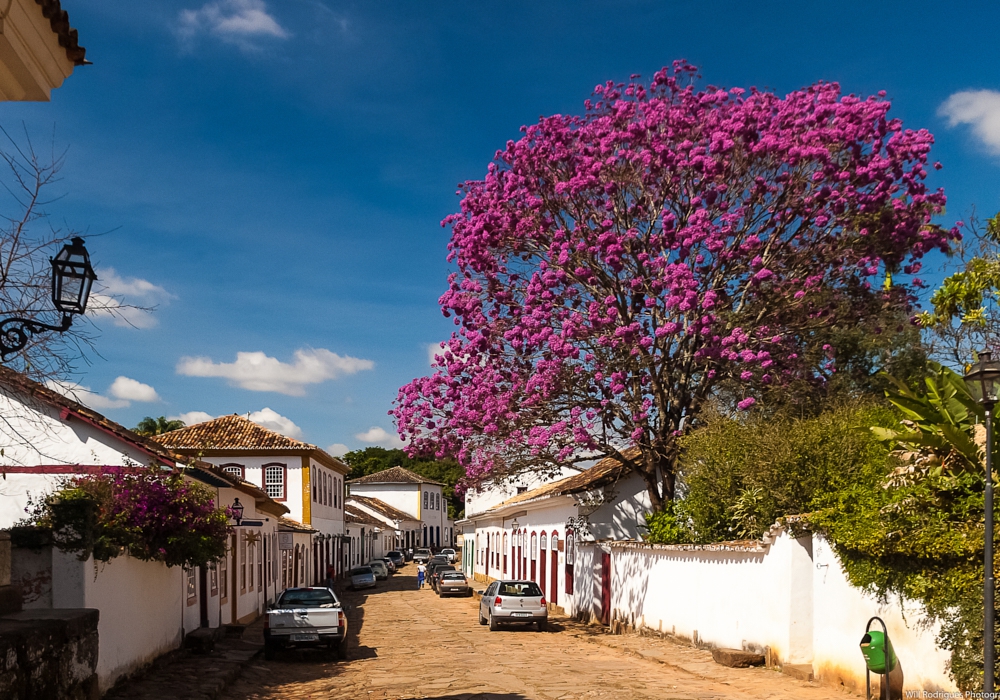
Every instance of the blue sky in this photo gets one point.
(272, 174)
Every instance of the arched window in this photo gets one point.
(554, 542)
(505, 554)
(235, 469)
(570, 560)
(545, 541)
(534, 546)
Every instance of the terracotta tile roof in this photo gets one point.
(607, 470)
(394, 475)
(68, 38)
(352, 515)
(381, 507)
(230, 432)
(289, 525)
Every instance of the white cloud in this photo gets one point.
(272, 420)
(131, 390)
(978, 108)
(139, 296)
(192, 417)
(256, 371)
(338, 449)
(379, 436)
(84, 395)
(235, 21)
(432, 350)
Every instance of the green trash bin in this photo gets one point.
(878, 653)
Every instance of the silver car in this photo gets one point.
(453, 583)
(520, 602)
(380, 569)
(362, 577)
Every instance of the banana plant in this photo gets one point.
(940, 420)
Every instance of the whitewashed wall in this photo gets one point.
(141, 605)
(791, 596)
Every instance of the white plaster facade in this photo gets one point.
(412, 494)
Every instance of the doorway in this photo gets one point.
(605, 588)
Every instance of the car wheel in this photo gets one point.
(440, 594)
(542, 625)
(482, 620)
(269, 652)
(494, 625)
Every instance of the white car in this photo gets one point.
(306, 617)
(450, 553)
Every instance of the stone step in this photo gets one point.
(803, 672)
(737, 658)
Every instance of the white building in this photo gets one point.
(366, 533)
(396, 526)
(532, 535)
(302, 477)
(47, 437)
(417, 496)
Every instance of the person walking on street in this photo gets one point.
(421, 574)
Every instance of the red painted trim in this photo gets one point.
(68, 469)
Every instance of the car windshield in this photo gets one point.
(447, 551)
(308, 598)
(362, 571)
(521, 589)
(376, 564)
(453, 576)
(423, 551)
(395, 554)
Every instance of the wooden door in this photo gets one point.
(554, 582)
(605, 588)
(541, 570)
(203, 595)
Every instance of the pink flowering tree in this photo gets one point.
(615, 269)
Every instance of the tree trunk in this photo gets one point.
(660, 476)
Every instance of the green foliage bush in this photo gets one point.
(151, 514)
(446, 471)
(738, 476)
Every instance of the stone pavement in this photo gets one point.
(183, 675)
(407, 644)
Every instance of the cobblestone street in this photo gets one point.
(406, 643)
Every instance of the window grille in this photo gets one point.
(274, 481)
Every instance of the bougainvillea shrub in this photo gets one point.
(615, 268)
(152, 514)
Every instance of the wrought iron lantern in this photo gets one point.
(72, 278)
(983, 379)
(237, 511)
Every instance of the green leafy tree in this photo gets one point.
(966, 307)
(376, 459)
(149, 426)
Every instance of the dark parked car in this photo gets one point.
(397, 558)
(453, 583)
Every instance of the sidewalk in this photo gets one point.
(187, 676)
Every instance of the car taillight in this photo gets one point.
(497, 601)
(267, 621)
(543, 601)
(341, 619)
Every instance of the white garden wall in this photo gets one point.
(141, 607)
(790, 596)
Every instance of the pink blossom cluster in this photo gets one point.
(614, 267)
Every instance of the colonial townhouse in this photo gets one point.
(397, 527)
(303, 477)
(366, 534)
(417, 496)
(47, 437)
(532, 534)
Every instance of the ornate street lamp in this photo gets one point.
(72, 278)
(237, 510)
(515, 525)
(983, 380)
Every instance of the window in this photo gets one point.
(534, 546)
(570, 554)
(274, 481)
(192, 587)
(426, 494)
(235, 469)
(260, 563)
(326, 489)
(243, 560)
(251, 546)
(522, 489)
(312, 477)
(336, 492)
(213, 577)
(224, 576)
(437, 501)
(544, 541)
